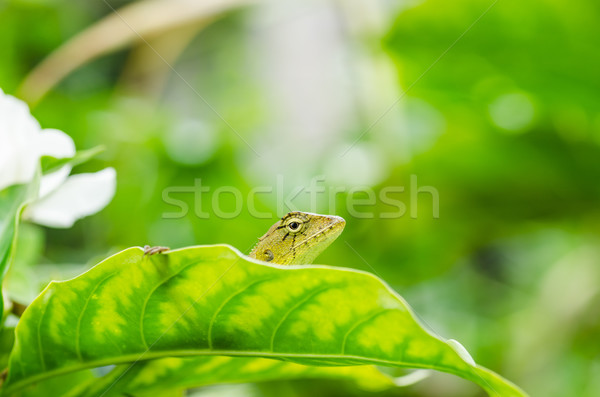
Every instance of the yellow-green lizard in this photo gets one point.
(298, 238)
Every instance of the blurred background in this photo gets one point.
(494, 104)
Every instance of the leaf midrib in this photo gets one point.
(188, 353)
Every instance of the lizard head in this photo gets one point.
(298, 238)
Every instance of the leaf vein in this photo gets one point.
(358, 324)
(302, 301)
(80, 317)
(225, 302)
(152, 291)
(39, 336)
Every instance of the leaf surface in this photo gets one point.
(152, 377)
(214, 301)
(11, 200)
(51, 164)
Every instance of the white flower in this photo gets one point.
(61, 199)
(72, 198)
(23, 142)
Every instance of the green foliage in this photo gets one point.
(150, 377)
(509, 268)
(50, 164)
(212, 300)
(11, 201)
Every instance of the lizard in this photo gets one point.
(297, 238)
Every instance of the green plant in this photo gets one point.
(137, 311)
(195, 316)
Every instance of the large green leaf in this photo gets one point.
(11, 200)
(151, 377)
(213, 300)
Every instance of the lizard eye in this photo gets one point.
(294, 225)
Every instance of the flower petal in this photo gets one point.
(18, 129)
(81, 195)
(53, 180)
(55, 143)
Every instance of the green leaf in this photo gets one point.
(51, 164)
(156, 376)
(25, 279)
(7, 340)
(213, 300)
(67, 385)
(11, 201)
